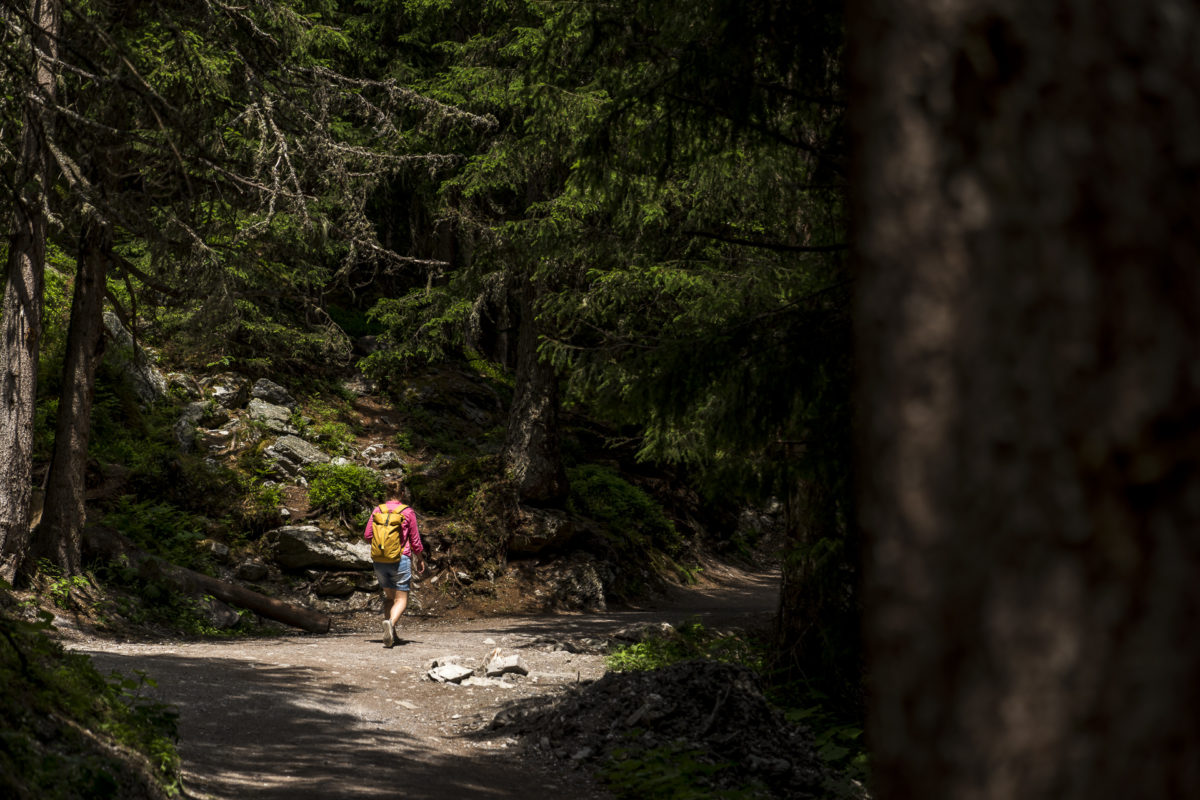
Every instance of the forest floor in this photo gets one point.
(339, 716)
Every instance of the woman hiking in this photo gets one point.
(395, 548)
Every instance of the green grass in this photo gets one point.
(690, 641)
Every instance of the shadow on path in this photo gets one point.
(272, 731)
(338, 716)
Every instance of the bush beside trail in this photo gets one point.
(701, 725)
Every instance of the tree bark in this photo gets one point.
(532, 454)
(1027, 184)
(110, 543)
(817, 635)
(59, 536)
(22, 310)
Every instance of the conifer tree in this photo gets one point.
(200, 148)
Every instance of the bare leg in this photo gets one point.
(395, 601)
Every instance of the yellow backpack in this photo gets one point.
(387, 534)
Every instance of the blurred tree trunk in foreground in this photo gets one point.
(1029, 397)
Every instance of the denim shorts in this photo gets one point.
(395, 575)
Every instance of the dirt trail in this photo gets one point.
(340, 716)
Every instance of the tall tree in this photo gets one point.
(483, 56)
(1027, 181)
(218, 147)
(711, 305)
(32, 62)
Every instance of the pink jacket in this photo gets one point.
(408, 528)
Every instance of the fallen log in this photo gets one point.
(102, 540)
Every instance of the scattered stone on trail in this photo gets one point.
(134, 362)
(538, 529)
(229, 389)
(498, 664)
(332, 585)
(217, 613)
(379, 458)
(185, 426)
(250, 571)
(346, 604)
(217, 441)
(292, 454)
(298, 546)
(183, 385)
(273, 393)
(488, 683)
(575, 585)
(277, 419)
(580, 645)
(360, 385)
(714, 712)
(442, 661)
(641, 631)
(217, 550)
(450, 673)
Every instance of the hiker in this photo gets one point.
(395, 548)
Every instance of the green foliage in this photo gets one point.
(125, 433)
(837, 734)
(59, 586)
(267, 497)
(161, 529)
(423, 327)
(631, 518)
(668, 772)
(449, 486)
(47, 693)
(354, 323)
(158, 602)
(327, 426)
(688, 642)
(839, 744)
(345, 489)
(334, 437)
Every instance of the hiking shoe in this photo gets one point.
(389, 635)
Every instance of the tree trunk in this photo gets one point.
(1027, 184)
(817, 636)
(22, 310)
(532, 456)
(60, 534)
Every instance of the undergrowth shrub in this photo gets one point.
(666, 773)
(161, 529)
(447, 486)
(669, 772)
(687, 642)
(632, 527)
(173, 534)
(345, 489)
(625, 511)
(51, 697)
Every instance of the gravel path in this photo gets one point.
(340, 716)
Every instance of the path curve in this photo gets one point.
(339, 716)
